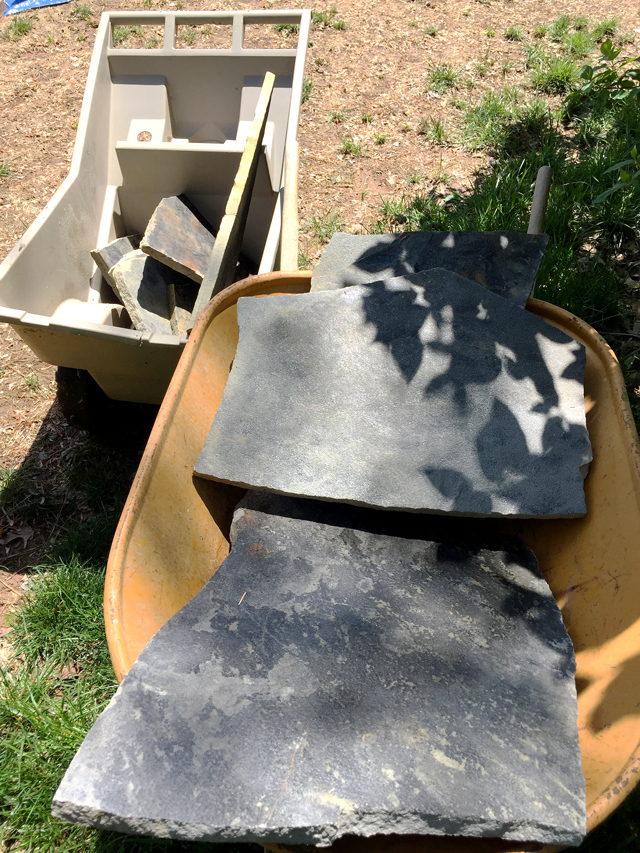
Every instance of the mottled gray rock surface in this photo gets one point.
(506, 262)
(426, 393)
(141, 283)
(331, 680)
(179, 237)
(109, 255)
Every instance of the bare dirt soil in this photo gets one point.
(367, 65)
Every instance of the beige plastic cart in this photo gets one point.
(155, 122)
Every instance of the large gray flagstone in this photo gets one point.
(505, 262)
(426, 393)
(334, 679)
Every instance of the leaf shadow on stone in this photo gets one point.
(504, 262)
(400, 316)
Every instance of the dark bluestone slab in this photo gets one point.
(141, 283)
(109, 255)
(426, 393)
(506, 262)
(179, 237)
(331, 680)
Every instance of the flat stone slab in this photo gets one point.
(331, 680)
(426, 393)
(505, 262)
(109, 255)
(179, 237)
(141, 283)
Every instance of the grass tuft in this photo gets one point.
(513, 34)
(605, 29)
(18, 28)
(553, 74)
(580, 43)
(325, 225)
(435, 129)
(83, 12)
(559, 29)
(307, 89)
(441, 78)
(353, 148)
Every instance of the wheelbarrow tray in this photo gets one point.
(174, 533)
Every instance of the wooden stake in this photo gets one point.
(229, 238)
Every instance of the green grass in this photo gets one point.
(327, 18)
(287, 28)
(379, 138)
(553, 74)
(353, 148)
(540, 31)
(366, 118)
(337, 116)
(580, 43)
(484, 123)
(559, 28)
(513, 34)
(18, 28)
(435, 129)
(187, 35)
(606, 28)
(441, 78)
(83, 12)
(307, 89)
(122, 34)
(5, 169)
(323, 226)
(431, 30)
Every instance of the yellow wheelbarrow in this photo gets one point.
(174, 532)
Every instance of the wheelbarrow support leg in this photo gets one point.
(540, 199)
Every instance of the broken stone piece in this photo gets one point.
(505, 262)
(141, 283)
(331, 679)
(109, 255)
(179, 238)
(426, 393)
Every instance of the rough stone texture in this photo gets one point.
(178, 236)
(141, 283)
(331, 680)
(506, 262)
(109, 255)
(426, 393)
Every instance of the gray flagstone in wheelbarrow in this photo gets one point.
(505, 262)
(426, 393)
(331, 680)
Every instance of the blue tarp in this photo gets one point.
(13, 6)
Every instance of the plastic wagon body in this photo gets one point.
(196, 105)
